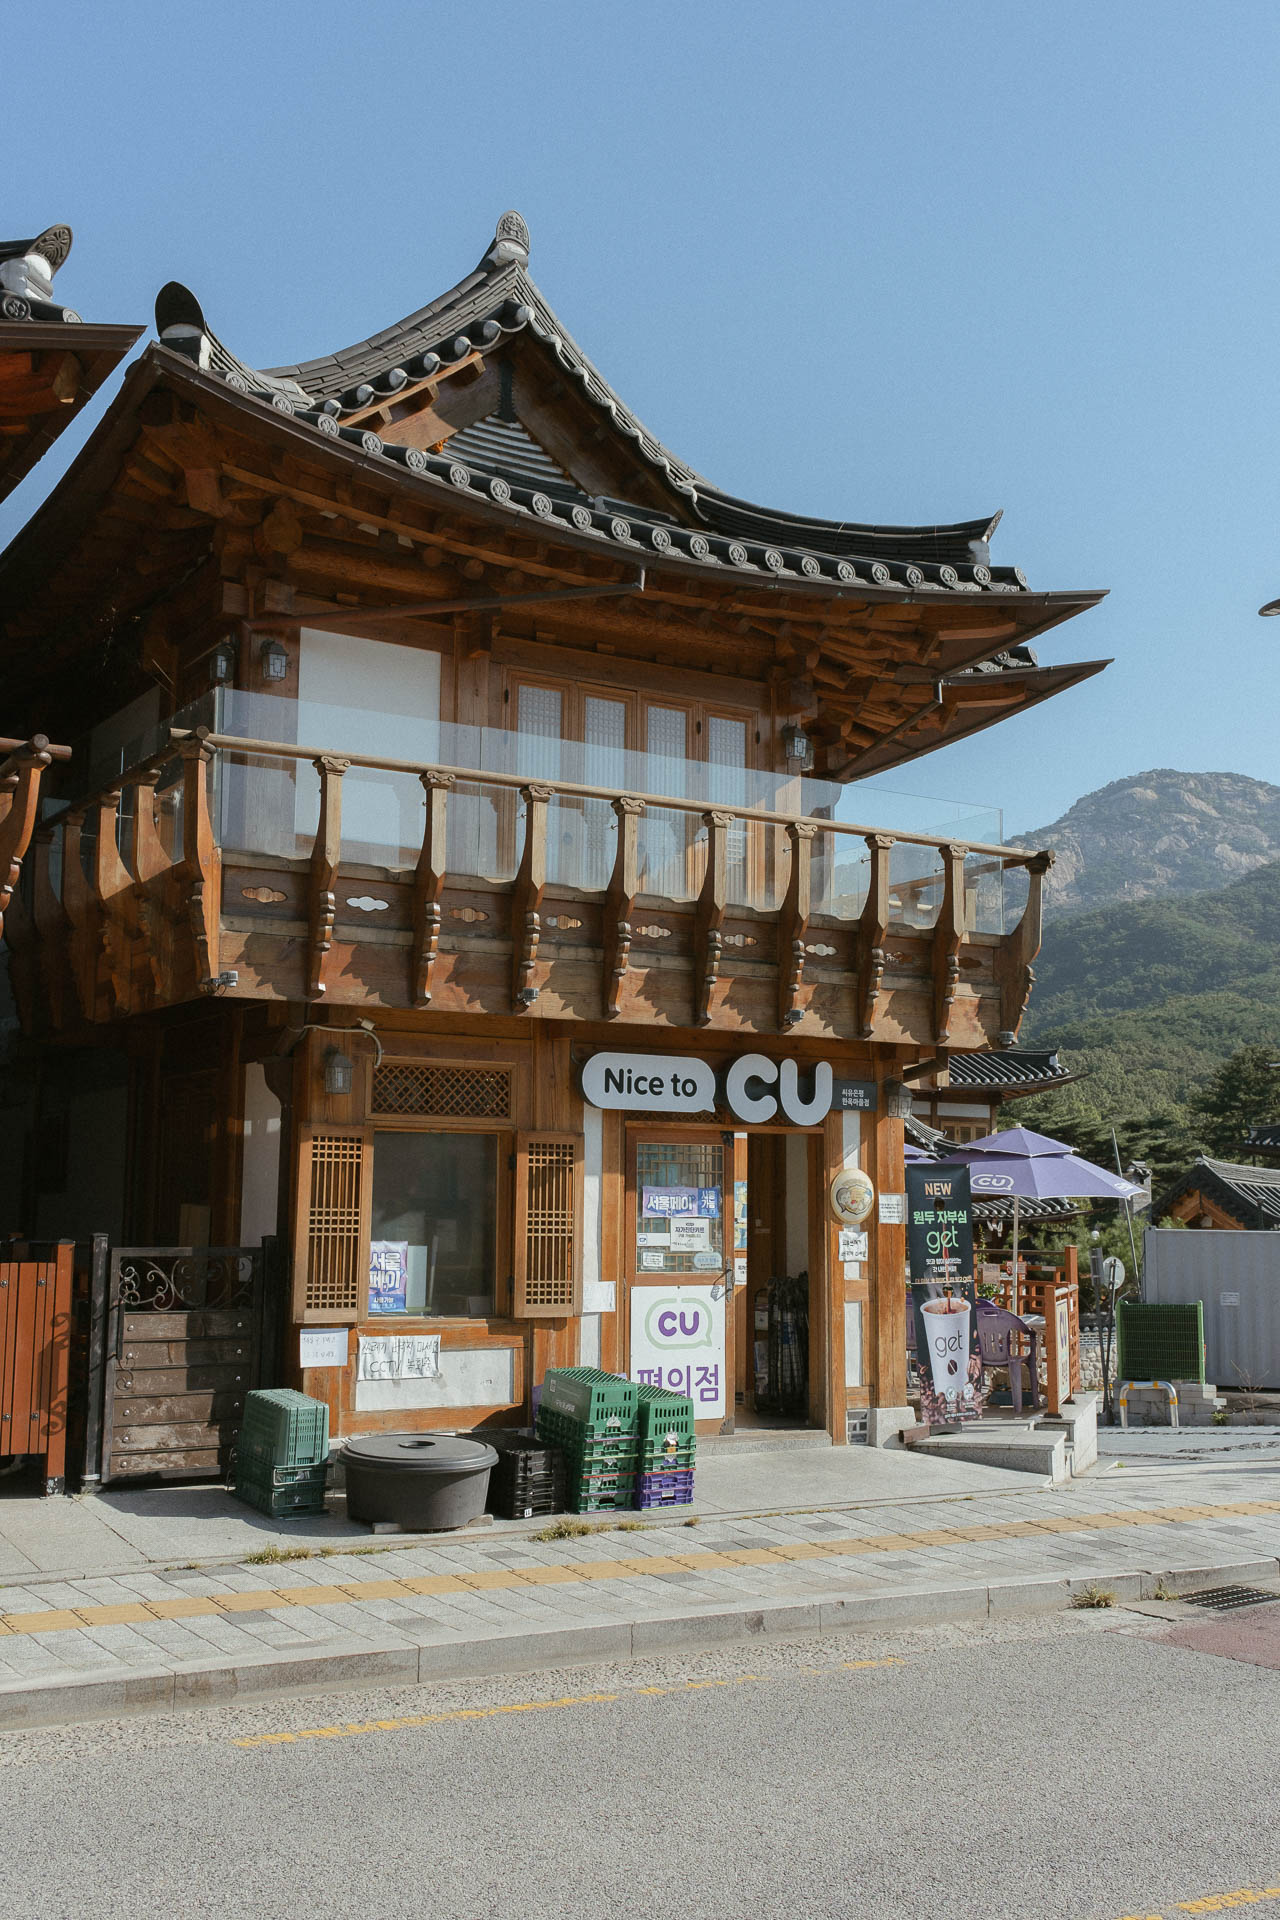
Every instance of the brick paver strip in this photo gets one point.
(158, 1602)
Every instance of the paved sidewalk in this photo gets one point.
(165, 1639)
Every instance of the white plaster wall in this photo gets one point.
(479, 1377)
(260, 1179)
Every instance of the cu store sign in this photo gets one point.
(754, 1088)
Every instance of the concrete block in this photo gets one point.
(1040, 1450)
(1027, 1596)
(886, 1425)
(1125, 1586)
(209, 1684)
(56, 1701)
(903, 1607)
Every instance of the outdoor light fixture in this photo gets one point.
(222, 664)
(897, 1100)
(798, 748)
(338, 1072)
(274, 660)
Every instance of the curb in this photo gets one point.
(64, 1700)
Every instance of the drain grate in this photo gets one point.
(1226, 1599)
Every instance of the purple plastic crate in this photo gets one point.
(669, 1497)
(661, 1482)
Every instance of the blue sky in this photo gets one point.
(892, 261)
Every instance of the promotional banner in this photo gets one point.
(677, 1342)
(944, 1299)
(388, 1276)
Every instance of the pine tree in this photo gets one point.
(1244, 1093)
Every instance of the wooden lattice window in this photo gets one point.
(333, 1224)
(445, 1092)
(548, 1240)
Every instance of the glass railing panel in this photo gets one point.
(1015, 884)
(841, 875)
(917, 879)
(984, 894)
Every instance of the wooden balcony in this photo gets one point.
(164, 887)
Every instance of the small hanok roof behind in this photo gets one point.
(51, 362)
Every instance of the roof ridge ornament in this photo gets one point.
(510, 242)
(27, 268)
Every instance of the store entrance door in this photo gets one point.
(779, 1318)
(681, 1301)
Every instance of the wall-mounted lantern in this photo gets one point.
(797, 745)
(338, 1072)
(274, 660)
(222, 664)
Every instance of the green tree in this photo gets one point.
(1244, 1093)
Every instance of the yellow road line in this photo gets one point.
(1214, 1903)
(412, 1720)
(193, 1606)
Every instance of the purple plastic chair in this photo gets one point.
(1001, 1335)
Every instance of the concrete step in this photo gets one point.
(762, 1440)
(1017, 1449)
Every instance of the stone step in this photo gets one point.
(1020, 1450)
(762, 1440)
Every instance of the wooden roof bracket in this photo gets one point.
(426, 609)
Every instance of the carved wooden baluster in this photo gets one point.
(428, 885)
(793, 924)
(708, 941)
(149, 861)
(624, 884)
(948, 938)
(873, 927)
(526, 899)
(1019, 949)
(19, 809)
(326, 857)
(113, 886)
(81, 910)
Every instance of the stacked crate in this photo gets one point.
(591, 1417)
(282, 1457)
(528, 1479)
(667, 1448)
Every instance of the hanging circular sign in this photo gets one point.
(852, 1196)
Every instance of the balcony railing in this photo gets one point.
(481, 872)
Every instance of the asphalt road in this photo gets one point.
(1092, 1765)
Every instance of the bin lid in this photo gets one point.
(419, 1453)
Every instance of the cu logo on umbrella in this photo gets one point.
(994, 1182)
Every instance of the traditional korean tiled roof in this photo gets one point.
(27, 268)
(1250, 1195)
(1018, 1069)
(1264, 1139)
(499, 300)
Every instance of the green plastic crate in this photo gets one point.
(283, 1428)
(1157, 1341)
(659, 1413)
(599, 1492)
(659, 1459)
(589, 1395)
(281, 1491)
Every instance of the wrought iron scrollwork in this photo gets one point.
(183, 1281)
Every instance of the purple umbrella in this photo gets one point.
(1020, 1165)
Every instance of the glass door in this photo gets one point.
(679, 1268)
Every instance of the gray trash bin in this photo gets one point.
(425, 1482)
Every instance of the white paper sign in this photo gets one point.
(689, 1236)
(740, 1271)
(893, 1209)
(654, 1237)
(677, 1342)
(853, 1245)
(709, 1262)
(599, 1296)
(403, 1356)
(1228, 1299)
(651, 1262)
(322, 1347)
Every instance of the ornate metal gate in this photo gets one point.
(184, 1346)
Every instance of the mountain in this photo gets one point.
(1148, 999)
(1159, 833)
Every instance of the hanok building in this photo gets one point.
(1222, 1194)
(462, 874)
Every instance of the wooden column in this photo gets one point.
(326, 857)
(793, 922)
(620, 899)
(201, 871)
(873, 926)
(1019, 949)
(948, 939)
(526, 898)
(708, 945)
(886, 1333)
(428, 886)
